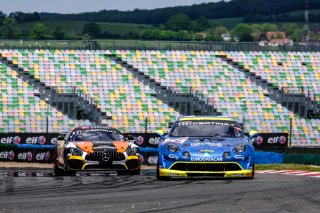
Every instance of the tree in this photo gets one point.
(289, 28)
(184, 35)
(168, 35)
(201, 24)
(269, 27)
(92, 28)
(219, 30)
(39, 31)
(59, 32)
(242, 32)
(199, 36)
(2, 17)
(10, 28)
(179, 22)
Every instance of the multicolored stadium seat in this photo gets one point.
(121, 95)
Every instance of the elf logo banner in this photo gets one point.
(10, 140)
(7, 155)
(43, 156)
(36, 140)
(25, 156)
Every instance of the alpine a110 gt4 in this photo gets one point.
(205, 146)
(95, 148)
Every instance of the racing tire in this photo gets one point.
(68, 172)
(158, 173)
(57, 171)
(252, 172)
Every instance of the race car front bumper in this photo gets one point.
(186, 172)
(79, 163)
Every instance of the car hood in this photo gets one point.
(92, 146)
(206, 142)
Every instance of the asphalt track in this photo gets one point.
(39, 191)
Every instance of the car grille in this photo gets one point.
(210, 167)
(100, 156)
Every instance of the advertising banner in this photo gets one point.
(271, 140)
(15, 154)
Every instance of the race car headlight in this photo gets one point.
(75, 151)
(172, 147)
(240, 148)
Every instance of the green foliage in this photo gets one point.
(267, 27)
(220, 30)
(183, 35)
(2, 17)
(10, 29)
(243, 32)
(92, 28)
(179, 22)
(39, 31)
(201, 24)
(59, 32)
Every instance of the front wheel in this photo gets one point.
(158, 173)
(57, 171)
(252, 172)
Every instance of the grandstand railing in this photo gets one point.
(154, 45)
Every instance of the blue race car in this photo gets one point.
(205, 146)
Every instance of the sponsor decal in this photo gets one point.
(206, 144)
(206, 159)
(43, 156)
(139, 140)
(16, 139)
(239, 157)
(259, 140)
(205, 151)
(282, 139)
(173, 156)
(7, 140)
(152, 159)
(275, 140)
(217, 123)
(7, 155)
(11, 155)
(34, 140)
(104, 147)
(53, 140)
(25, 156)
(41, 140)
(155, 141)
(179, 140)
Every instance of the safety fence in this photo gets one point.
(103, 44)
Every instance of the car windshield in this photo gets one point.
(206, 129)
(87, 135)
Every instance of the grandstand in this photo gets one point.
(132, 85)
